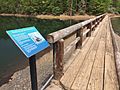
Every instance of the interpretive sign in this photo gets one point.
(29, 40)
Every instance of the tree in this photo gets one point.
(70, 7)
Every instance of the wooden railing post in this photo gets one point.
(58, 59)
(99, 20)
(95, 23)
(81, 37)
(78, 45)
(54, 57)
(90, 27)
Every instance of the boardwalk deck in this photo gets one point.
(94, 67)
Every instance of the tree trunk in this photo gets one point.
(70, 7)
(77, 7)
(84, 4)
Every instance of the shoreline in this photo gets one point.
(114, 15)
(61, 17)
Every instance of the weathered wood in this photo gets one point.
(78, 43)
(82, 29)
(54, 37)
(59, 54)
(81, 37)
(69, 76)
(69, 39)
(110, 80)
(116, 50)
(93, 26)
(96, 77)
(90, 27)
(54, 57)
(82, 78)
(72, 44)
(73, 69)
(87, 31)
(95, 22)
(71, 60)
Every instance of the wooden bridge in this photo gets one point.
(90, 50)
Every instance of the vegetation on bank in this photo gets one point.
(57, 7)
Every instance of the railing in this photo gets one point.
(81, 31)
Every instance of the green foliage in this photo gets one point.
(57, 7)
(99, 6)
(118, 7)
(56, 11)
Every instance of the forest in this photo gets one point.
(57, 7)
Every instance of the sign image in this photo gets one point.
(36, 37)
(29, 40)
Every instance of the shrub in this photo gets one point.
(56, 11)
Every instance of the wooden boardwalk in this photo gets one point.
(94, 67)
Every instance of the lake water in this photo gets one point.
(116, 25)
(11, 58)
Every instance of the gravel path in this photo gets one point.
(21, 79)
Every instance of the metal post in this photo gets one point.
(33, 73)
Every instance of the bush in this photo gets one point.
(56, 11)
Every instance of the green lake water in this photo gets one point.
(11, 58)
(116, 25)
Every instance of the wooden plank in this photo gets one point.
(71, 72)
(82, 78)
(84, 73)
(96, 77)
(71, 60)
(111, 80)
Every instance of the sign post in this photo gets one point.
(30, 42)
(33, 73)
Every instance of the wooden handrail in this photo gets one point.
(81, 30)
(55, 36)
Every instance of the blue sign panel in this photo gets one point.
(29, 40)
